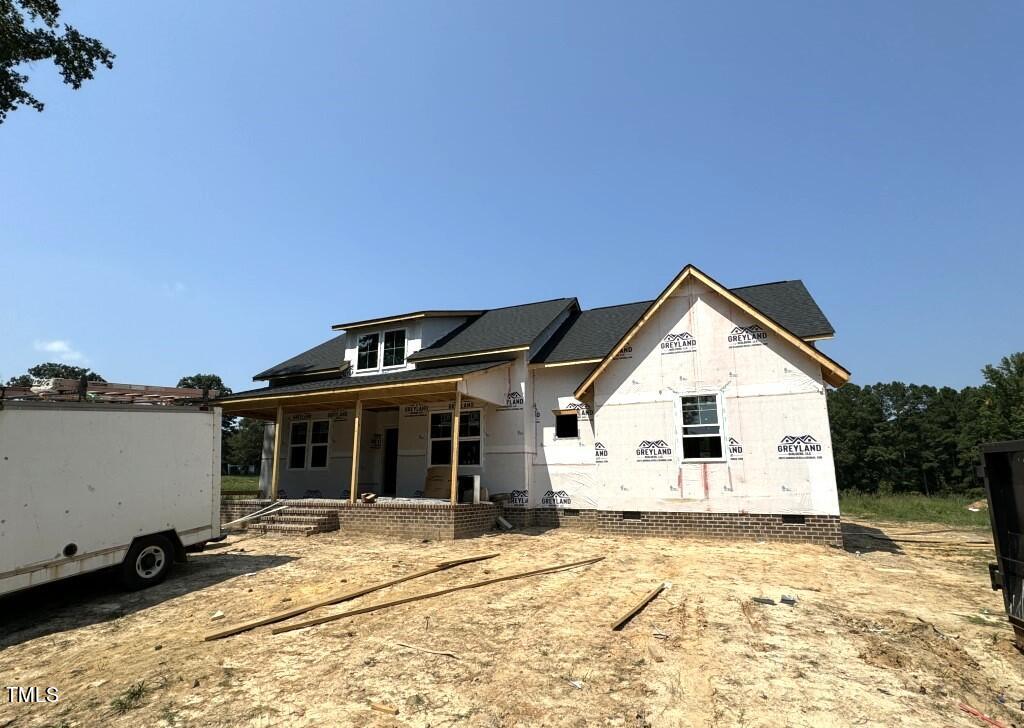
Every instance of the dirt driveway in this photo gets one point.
(883, 634)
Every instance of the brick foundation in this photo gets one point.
(439, 521)
(823, 530)
(436, 521)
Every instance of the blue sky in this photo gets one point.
(239, 182)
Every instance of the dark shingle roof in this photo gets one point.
(591, 334)
(498, 328)
(407, 375)
(325, 356)
(790, 304)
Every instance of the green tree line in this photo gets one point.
(912, 438)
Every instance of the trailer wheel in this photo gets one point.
(147, 563)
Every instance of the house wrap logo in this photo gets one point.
(600, 452)
(582, 410)
(519, 498)
(513, 401)
(556, 498)
(799, 447)
(414, 410)
(466, 404)
(682, 343)
(652, 451)
(735, 449)
(752, 335)
(625, 352)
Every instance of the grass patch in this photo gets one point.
(239, 483)
(130, 698)
(947, 510)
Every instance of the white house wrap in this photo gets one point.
(703, 401)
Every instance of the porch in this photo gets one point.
(415, 438)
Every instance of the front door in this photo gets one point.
(388, 487)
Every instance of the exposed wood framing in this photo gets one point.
(275, 467)
(354, 483)
(455, 446)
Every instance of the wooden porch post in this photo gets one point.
(353, 486)
(455, 446)
(275, 467)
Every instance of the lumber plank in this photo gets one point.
(649, 597)
(430, 595)
(310, 606)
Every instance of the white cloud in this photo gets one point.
(63, 349)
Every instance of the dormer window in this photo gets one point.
(386, 347)
(394, 348)
(366, 358)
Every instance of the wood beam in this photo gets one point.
(455, 446)
(275, 468)
(354, 484)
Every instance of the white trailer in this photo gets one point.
(86, 486)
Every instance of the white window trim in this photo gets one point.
(405, 349)
(381, 333)
(308, 460)
(468, 438)
(722, 435)
(380, 339)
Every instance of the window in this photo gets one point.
(702, 428)
(441, 438)
(319, 442)
(567, 425)
(366, 357)
(308, 437)
(394, 348)
(297, 445)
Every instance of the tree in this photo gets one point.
(53, 370)
(211, 382)
(913, 438)
(245, 445)
(204, 381)
(29, 32)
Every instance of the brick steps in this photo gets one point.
(306, 521)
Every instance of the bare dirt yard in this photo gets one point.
(883, 634)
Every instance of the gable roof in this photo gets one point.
(404, 317)
(321, 358)
(832, 371)
(790, 304)
(499, 330)
(589, 335)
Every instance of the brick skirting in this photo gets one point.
(442, 521)
(436, 521)
(739, 526)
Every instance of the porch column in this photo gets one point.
(455, 446)
(353, 486)
(275, 468)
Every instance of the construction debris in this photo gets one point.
(763, 600)
(790, 600)
(430, 595)
(981, 716)
(649, 597)
(382, 708)
(503, 524)
(295, 611)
